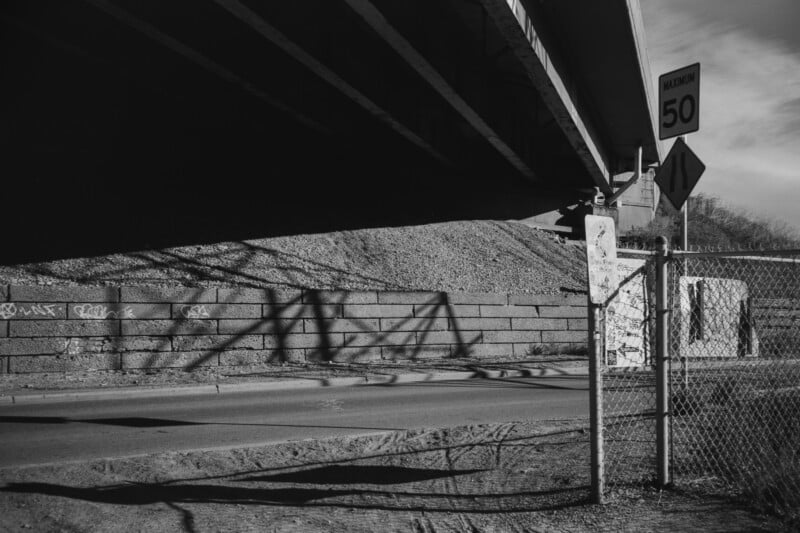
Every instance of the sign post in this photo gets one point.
(662, 362)
(679, 114)
(601, 262)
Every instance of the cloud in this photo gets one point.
(791, 109)
(749, 134)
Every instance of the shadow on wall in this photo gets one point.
(329, 337)
(193, 328)
(180, 327)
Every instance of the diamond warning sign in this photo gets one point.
(679, 173)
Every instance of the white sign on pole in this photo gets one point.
(679, 102)
(601, 258)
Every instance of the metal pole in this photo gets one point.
(637, 174)
(662, 362)
(685, 372)
(685, 219)
(596, 402)
(685, 226)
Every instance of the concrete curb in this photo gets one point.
(293, 384)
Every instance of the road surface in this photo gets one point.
(69, 431)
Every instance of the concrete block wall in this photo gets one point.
(54, 329)
(774, 326)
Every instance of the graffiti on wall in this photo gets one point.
(194, 311)
(101, 312)
(627, 329)
(77, 345)
(11, 310)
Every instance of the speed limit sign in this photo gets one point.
(679, 102)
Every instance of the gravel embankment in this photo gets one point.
(467, 256)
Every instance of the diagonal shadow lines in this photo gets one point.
(399, 482)
(406, 338)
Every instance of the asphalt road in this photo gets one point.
(68, 431)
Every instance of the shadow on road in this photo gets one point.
(576, 383)
(144, 422)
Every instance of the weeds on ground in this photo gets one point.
(731, 435)
(557, 349)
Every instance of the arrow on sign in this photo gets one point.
(679, 173)
(684, 173)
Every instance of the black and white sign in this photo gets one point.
(627, 327)
(679, 102)
(601, 258)
(679, 173)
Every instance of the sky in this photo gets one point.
(749, 55)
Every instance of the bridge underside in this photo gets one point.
(130, 124)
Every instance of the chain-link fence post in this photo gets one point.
(596, 401)
(662, 361)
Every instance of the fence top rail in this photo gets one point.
(629, 251)
(759, 255)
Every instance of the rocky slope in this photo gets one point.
(466, 256)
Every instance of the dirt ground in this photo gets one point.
(511, 477)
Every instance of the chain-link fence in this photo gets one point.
(734, 375)
(628, 374)
(721, 413)
(699, 367)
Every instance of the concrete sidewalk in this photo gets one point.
(31, 388)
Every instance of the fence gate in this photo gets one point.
(721, 414)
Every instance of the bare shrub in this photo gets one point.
(557, 349)
(712, 224)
